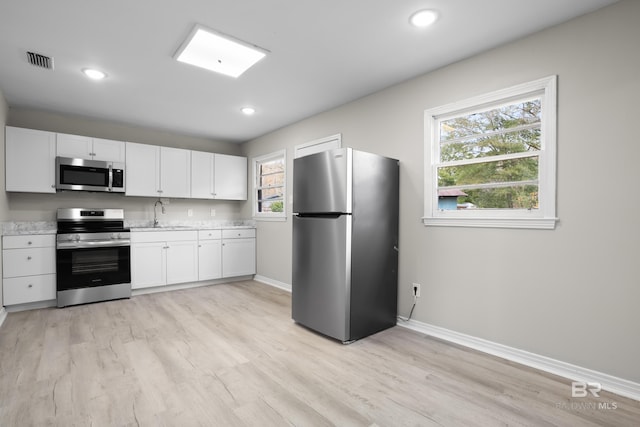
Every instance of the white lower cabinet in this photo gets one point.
(28, 289)
(148, 265)
(29, 267)
(161, 258)
(182, 262)
(209, 254)
(238, 252)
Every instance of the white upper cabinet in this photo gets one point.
(74, 146)
(230, 177)
(30, 160)
(202, 175)
(175, 172)
(218, 176)
(108, 150)
(142, 170)
(84, 147)
(155, 171)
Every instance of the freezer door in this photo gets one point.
(322, 182)
(321, 276)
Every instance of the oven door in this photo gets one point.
(91, 267)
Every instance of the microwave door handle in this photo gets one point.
(110, 177)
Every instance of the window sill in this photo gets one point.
(270, 218)
(527, 223)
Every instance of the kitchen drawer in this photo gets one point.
(163, 236)
(239, 233)
(29, 241)
(27, 262)
(22, 290)
(209, 234)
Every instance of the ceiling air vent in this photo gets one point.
(40, 60)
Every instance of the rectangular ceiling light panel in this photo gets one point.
(217, 52)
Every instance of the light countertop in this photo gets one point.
(18, 228)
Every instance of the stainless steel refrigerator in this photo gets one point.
(345, 243)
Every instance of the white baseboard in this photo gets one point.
(188, 285)
(3, 315)
(273, 282)
(608, 382)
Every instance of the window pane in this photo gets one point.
(513, 170)
(270, 185)
(271, 206)
(271, 173)
(500, 118)
(270, 193)
(485, 146)
(271, 180)
(513, 197)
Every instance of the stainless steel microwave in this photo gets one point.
(89, 175)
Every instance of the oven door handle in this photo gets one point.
(93, 244)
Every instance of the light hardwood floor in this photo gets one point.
(230, 355)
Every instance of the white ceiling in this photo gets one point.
(324, 53)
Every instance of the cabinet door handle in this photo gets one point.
(30, 285)
(28, 258)
(29, 243)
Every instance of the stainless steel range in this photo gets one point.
(93, 256)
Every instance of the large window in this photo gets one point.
(269, 180)
(491, 160)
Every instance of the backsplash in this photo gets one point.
(195, 224)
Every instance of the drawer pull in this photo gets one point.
(28, 258)
(29, 242)
(30, 285)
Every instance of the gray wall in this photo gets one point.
(4, 207)
(42, 207)
(571, 294)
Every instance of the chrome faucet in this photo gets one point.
(155, 215)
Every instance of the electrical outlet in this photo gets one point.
(189, 212)
(416, 289)
(213, 212)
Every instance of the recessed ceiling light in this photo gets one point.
(423, 18)
(249, 111)
(217, 52)
(94, 74)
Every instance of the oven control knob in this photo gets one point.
(77, 237)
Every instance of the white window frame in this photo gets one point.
(318, 145)
(269, 216)
(542, 218)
